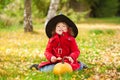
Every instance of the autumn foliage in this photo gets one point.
(99, 45)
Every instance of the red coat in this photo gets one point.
(60, 46)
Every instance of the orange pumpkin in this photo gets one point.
(61, 68)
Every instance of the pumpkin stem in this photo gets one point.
(63, 59)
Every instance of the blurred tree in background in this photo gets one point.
(12, 11)
(118, 12)
(104, 8)
(28, 27)
(52, 10)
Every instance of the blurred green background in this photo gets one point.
(12, 11)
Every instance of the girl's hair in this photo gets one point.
(70, 31)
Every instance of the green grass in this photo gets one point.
(99, 50)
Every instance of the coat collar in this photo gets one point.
(64, 34)
(58, 37)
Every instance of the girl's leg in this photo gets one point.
(47, 68)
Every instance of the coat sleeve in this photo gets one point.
(48, 52)
(74, 49)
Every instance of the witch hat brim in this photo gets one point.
(50, 26)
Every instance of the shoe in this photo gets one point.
(85, 66)
(34, 66)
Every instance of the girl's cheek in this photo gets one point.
(65, 30)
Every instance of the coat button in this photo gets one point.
(59, 50)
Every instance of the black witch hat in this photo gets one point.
(50, 26)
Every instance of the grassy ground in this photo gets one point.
(99, 45)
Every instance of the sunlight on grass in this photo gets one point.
(99, 46)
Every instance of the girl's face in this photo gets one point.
(61, 27)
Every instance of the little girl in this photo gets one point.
(61, 32)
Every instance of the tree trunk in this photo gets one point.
(27, 16)
(52, 9)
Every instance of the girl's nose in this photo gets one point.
(60, 27)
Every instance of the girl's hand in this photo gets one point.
(59, 58)
(70, 59)
(53, 59)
